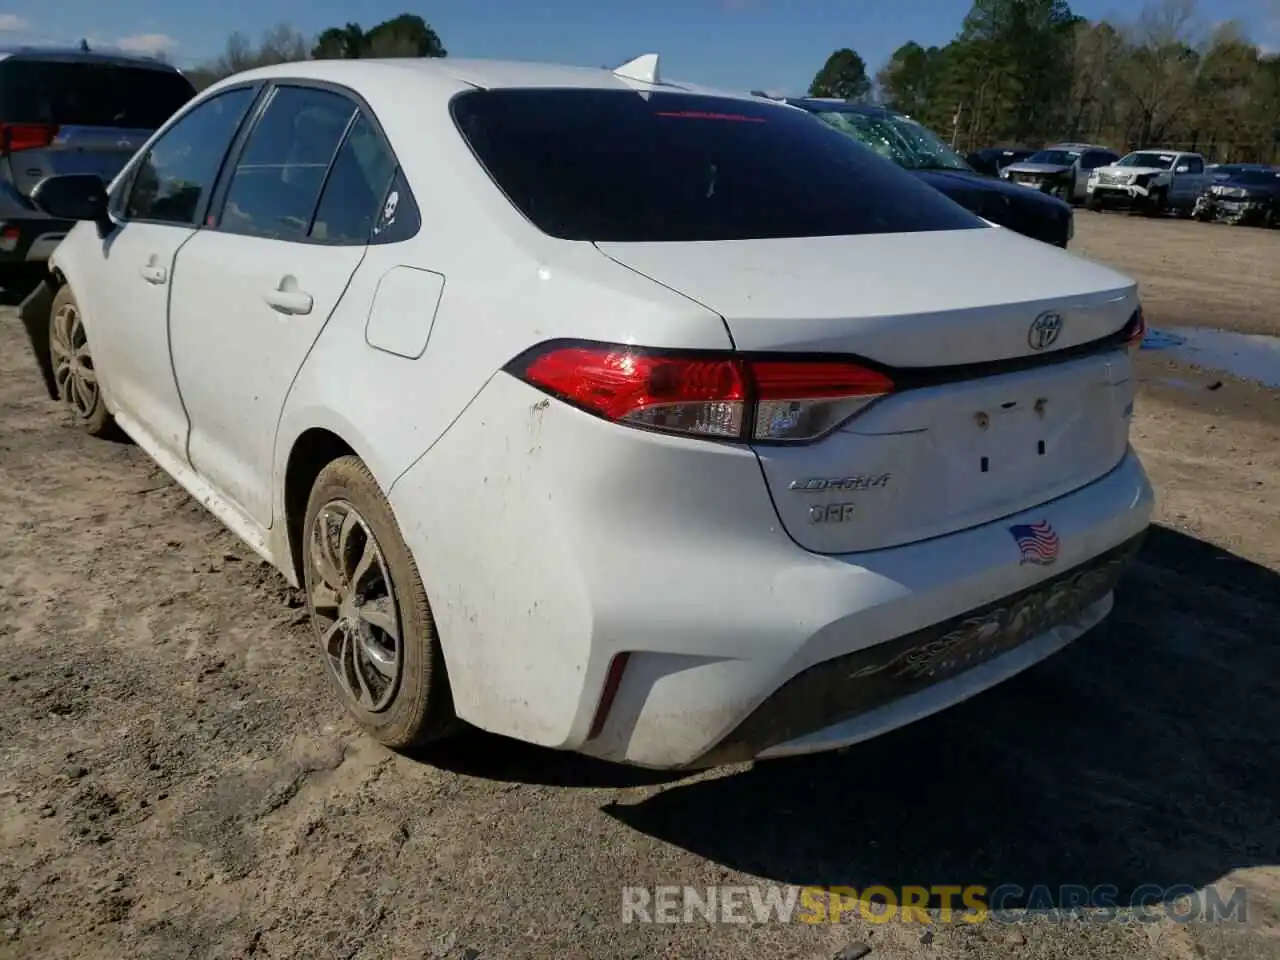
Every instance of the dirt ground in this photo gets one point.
(175, 780)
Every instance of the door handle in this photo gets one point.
(289, 302)
(153, 274)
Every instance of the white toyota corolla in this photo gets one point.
(617, 415)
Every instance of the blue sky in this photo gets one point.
(769, 44)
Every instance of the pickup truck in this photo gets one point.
(1151, 181)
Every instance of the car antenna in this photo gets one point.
(643, 68)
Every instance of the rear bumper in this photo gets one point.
(551, 543)
(31, 241)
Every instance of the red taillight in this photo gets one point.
(724, 396)
(26, 136)
(1134, 331)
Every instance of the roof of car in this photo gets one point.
(122, 58)
(483, 74)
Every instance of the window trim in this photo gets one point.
(361, 108)
(118, 204)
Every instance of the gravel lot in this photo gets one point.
(176, 782)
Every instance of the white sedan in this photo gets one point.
(617, 415)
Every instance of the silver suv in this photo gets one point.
(69, 111)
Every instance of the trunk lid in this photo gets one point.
(934, 459)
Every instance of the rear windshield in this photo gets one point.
(89, 94)
(614, 165)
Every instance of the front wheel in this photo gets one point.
(370, 613)
(74, 375)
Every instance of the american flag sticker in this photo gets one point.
(1037, 541)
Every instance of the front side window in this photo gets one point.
(1195, 165)
(615, 166)
(277, 179)
(174, 179)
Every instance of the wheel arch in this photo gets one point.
(33, 312)
(313, 450)
(311, 440)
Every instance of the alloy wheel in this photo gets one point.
(353, 605)
(73, 370)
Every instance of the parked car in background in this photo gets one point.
(69, 111)
(1250, 196)
(1061, 170)
(991, 160)
(614, 415)
(1225, 171)
(919, 150)
(1152, 181)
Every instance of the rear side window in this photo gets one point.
(71, 93)
(616, 166)
(357, 186)
(278, 178)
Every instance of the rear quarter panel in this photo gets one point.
(506, 287)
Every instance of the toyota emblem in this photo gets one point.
(1044, 330)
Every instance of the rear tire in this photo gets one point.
(370, 613)
(74, 375)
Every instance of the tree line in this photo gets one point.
(407, 35)
(1031, 72)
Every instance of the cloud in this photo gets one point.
(147, 43)
(12, 23)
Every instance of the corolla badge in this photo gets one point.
(1044, 330)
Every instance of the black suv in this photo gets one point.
(919, 150)
(70, 111)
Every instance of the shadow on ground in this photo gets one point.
(1147, 753)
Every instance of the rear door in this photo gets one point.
(253, 290)
(68, 115)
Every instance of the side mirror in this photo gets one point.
(74, 196)
(1183, 169)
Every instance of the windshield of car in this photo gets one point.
(90, 94)
(1057, 158)
(615, 166)
(1257, 178)
(900, 139)
(1227, 170)
(1160, 161)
